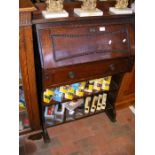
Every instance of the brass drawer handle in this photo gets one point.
(71, 75)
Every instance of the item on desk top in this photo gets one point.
(99, 103)
(87, 105)
(54, 9)
(104, 98)
(88, 8)
(89, 5)
(121, 7)
(94, 104)
(121, 4)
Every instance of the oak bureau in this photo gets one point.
(75, 49)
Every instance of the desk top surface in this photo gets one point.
(26, 6)
(69, 7)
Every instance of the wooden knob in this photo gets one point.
(71, 75)
(112, 67)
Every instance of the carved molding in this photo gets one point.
(25, 19)
(83, 50)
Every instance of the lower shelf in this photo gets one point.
(55, 123)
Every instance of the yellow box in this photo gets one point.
(99, 81)
(46, 100)
(79, 93)
(63, 89)
(70, 90)
(69, 96)
(49, 92)
(82, 85)
(92, 81)
(107, 79)
(97, 88)
(90, 87)
(105, 86)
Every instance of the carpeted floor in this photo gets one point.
(94, 135)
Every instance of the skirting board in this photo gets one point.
(60, 14)
(83, 13)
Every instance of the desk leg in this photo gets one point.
(44, 133)
(45, 136)
(111, 113)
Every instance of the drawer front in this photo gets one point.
(68, 45)
(66, 75)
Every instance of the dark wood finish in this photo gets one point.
(61, 76)
(81, 47)
(126, 95)
(26, 58)
(26, 6)
(74, 49)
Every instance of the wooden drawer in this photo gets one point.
(71, 45)
(66, 75)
